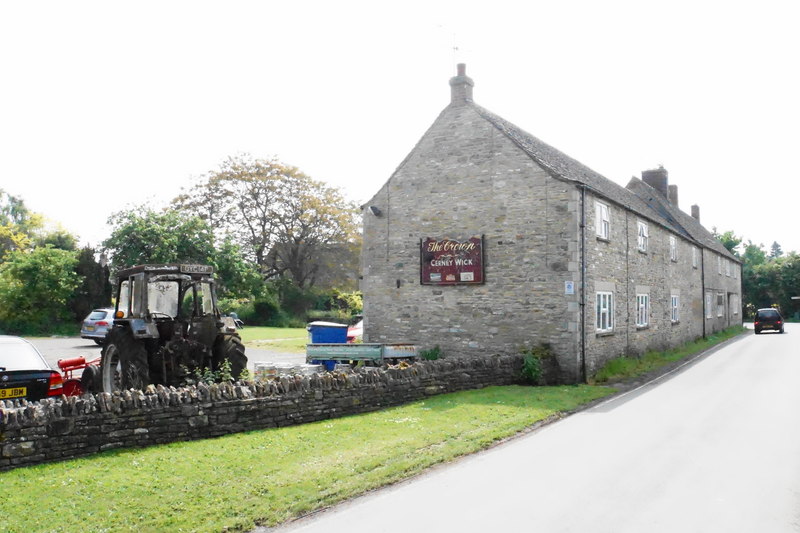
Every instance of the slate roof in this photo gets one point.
(638, 197)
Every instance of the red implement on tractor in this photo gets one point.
(74, 386)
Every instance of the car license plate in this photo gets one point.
(13, 392)
(89, 328)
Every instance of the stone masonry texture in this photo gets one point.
(59, 429)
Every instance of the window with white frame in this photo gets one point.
(673, 248)
(727, 268)
(675, 307)
(734, 304)
(694, 256)
(708, 305)
(719, 264)
(602, 221)
(644, 235)
(604, 316)
(720, 304)
(642, 310)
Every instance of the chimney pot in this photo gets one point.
(673, 195)
(696, 212)
(461, 86)
(658, 179)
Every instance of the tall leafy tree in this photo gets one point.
(775, 250)
(284, 221)
(94, 289)
(17, 224)
(143, 235)
(729, 241)
(35, 289)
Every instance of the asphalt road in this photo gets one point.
(713, 447)
(55, 348)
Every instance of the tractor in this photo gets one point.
(167, 328)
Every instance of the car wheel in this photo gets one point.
(758, 331)
(99, 342)
(123, 363)
(781, 330)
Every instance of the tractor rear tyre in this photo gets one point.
(230, 347)
(124, 363)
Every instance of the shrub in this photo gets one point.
(431, 354)
(532, 362)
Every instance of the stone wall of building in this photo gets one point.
(465, 178)
(59, 429)
(617, 265)
(723, 279)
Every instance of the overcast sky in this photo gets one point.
(106, 105)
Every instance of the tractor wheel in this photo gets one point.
(230, 347)
(90, 379)
(124, 363)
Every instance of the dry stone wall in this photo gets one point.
(64, 428)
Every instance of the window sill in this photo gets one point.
(640, 328)
(643, 252)
(675, 322)
(603, 333)
(603, 239)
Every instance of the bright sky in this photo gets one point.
(108, 104)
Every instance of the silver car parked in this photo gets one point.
(98, 324)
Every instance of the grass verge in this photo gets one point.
(269, 476)
(625, 368)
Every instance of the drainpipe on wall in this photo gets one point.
(703, 287)
(582, 303)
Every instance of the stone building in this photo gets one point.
(486, 240)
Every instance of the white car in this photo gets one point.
(98, 324)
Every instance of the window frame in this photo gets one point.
(675, 315)
(720, 304)
(606, 297)
(602, 220)
(642, 236)
(642, 310)
(694, 256)
(673, 248)
(709, 312)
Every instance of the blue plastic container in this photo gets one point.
(327, 333)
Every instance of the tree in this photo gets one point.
(775, 250)
(35, 288)
(729, 241)
(284, 221)
(94, 289)
(237, 277)
(140, 236)
(58, 238)
(17, 224)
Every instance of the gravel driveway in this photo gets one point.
(55, 348)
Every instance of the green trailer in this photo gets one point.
(371, 354)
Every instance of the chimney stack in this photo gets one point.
(658, 179)
(696, 212)
(673, 195)
(461, 86)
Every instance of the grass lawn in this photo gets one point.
(291, 340)
(270, 476)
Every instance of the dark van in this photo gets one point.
(768, 318)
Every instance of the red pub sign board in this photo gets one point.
(451, 262)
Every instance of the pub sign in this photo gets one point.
(451, 261)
